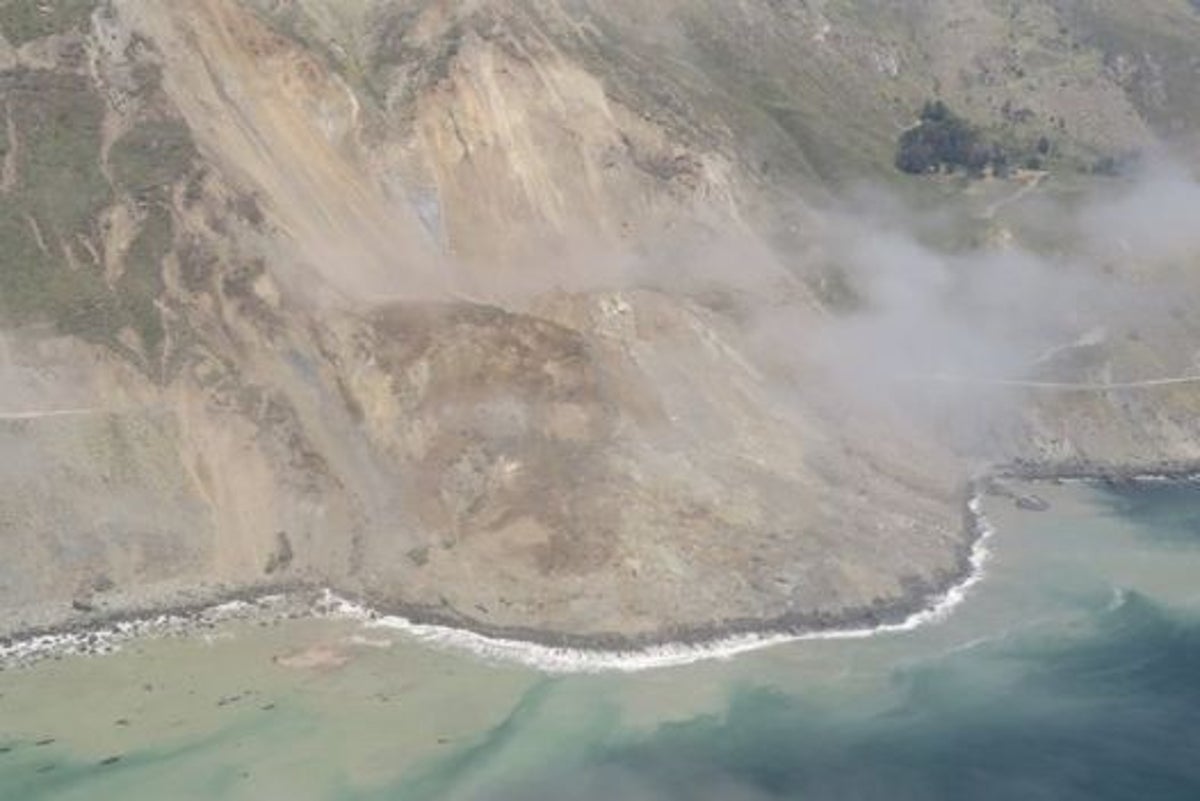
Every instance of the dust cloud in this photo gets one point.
(950, 316)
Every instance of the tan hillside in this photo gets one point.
(488, 309)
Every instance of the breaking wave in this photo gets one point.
(550, 659)
(109, 638)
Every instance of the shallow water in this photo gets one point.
(1071, 671)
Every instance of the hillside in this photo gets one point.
(502, 312)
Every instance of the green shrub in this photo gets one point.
(58, 120)
(49, 218)
(142, 282)
(25, 20)
(151, 157)
(942, 140)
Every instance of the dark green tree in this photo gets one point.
(942, 140)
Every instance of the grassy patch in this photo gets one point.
(37, 285)
(25, 20)
(59, 191)
(48, 222)
(150, 158)
(58, 120)
(142, 282)
(5, 144)
(1155, 45)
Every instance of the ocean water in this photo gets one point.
(1071, 671)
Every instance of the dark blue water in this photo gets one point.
(1113, 713)
(1107, 707)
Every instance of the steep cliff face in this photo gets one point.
(145, 449)
(461, 305)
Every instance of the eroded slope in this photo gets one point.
(458, 306)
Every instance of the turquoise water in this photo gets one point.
(1071, 672)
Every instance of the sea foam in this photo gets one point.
(554, 660)
(109, 638)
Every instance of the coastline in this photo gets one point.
(560, 654)
(557, 652)
(1086, 470)
(100, 633)
(548, 651)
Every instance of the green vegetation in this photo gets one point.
(59, 191)
(945, 141)
(50, 269)
(25, 20)
(1153, 45)
(142, 283)
(58, 119)
(29, 282)
(151, 157)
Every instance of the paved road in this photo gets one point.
(37, 415)
(1060, 385)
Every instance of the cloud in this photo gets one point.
(1153, 219)
(952, 309)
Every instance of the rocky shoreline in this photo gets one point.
(1086, 470)
(99, 633)
(94, 633)
(918, 597)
